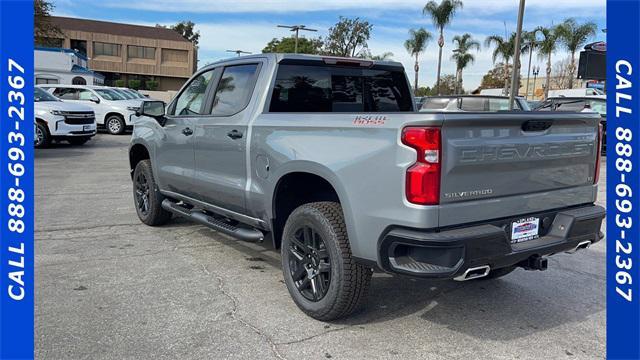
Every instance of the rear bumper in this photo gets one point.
(449, 253)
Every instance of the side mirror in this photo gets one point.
(153, 109)
(94, 99)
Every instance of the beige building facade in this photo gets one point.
(155, 57)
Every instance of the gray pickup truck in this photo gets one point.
(327, 159)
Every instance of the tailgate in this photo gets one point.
(488, 157)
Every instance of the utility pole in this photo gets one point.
(516, 68)
(297, 29)
(239, 52)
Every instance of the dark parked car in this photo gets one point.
(579, 104)
(472, 103)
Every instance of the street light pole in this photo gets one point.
(516, 67)
(297, 29)
(239, 52)
(536, 71)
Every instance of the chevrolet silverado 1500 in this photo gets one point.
(328, 159)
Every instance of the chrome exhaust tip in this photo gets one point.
(474, 273)
(581, 246)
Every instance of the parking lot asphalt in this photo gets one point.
(109, 287)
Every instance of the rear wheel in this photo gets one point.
(147, 197)
(78, 140)
(321, 275)
(115, 125)
(42, 136)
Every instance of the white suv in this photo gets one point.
(112, 110)
(58, 120)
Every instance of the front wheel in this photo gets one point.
(147, 197)
(115, 125)
(42, 137)
(321, 275)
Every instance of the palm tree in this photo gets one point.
(462, 57)
(529, 45)
(547, 46)
(441, 15)
(416, 45)
(573, 35)
(505, 49)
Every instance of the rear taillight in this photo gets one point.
(423, 177)
(596, 177)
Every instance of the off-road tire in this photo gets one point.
(349, 281)
(155, 214)
(115, 124)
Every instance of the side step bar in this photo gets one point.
(241, 233)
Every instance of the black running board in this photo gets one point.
(241, 233)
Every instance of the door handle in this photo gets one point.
(234, 134)
(187, 131)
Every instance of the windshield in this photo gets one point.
(109, 94)
(124, 93)
(41, 95)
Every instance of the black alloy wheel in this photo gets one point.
(142, 193)
(310, 265)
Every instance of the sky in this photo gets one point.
(249, 24)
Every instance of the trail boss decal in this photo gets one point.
(365, 120)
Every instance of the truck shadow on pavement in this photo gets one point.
(520, 304)
(516, 306)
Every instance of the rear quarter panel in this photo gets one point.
(363, 160)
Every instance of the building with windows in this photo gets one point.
(63, 66)
(152, 58)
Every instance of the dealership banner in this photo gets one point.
(623, 180)
(16, 179)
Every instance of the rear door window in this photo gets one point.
(304, 88)
(234, 89)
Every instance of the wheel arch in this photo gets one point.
(112, 113)
(299, 186)
(137, 153)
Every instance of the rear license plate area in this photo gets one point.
(525, 229)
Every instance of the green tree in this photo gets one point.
(288, 44)
(416, 45)
(494, 78)
(423, 91)
(504, 48)
(441, 15)
(44, 31)
(461, 54)
(186, 29)
(447, 86)
(348, 37)
(546, 47)
(573, 36)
